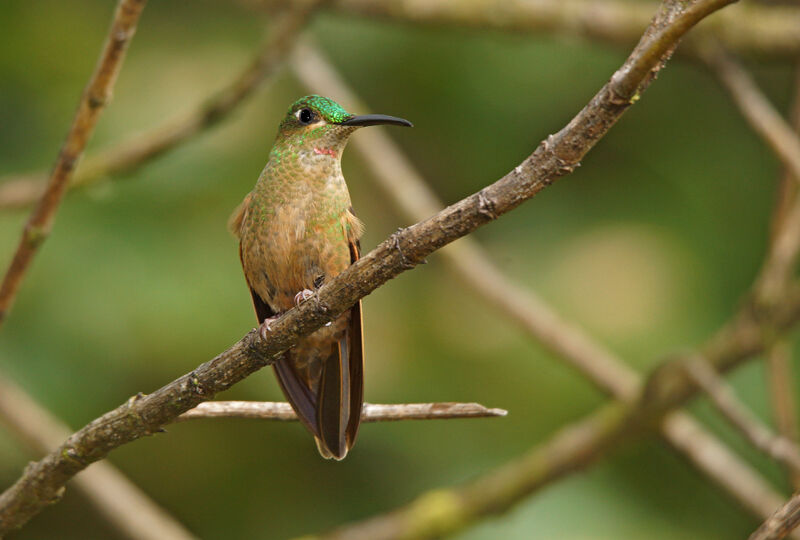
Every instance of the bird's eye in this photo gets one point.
(305, 116)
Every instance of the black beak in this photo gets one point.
(375, 120)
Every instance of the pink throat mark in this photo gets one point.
(325, 151)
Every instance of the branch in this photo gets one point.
(270, 410)
(42, 483)
(114, 496)
(18, 192)
(754, 28)
(726, 402)
(781, 523)
(405, 187)
(94, 98)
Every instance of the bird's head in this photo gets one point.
(324, 124)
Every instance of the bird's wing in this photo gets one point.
(293, 385)
(237, 216)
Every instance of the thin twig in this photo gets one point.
(405, 187)
(123, 504)
(271, 410)
(42, 483)
(94, 98)
(18, 192)
(752, 28)
(722, 396)
(781, 523)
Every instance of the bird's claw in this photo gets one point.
(265, 329)
(302, 296)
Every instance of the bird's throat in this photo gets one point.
(326, 152)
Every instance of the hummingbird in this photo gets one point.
(297, 230)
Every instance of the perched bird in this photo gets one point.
(297, 230)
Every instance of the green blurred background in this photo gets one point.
(649, 246)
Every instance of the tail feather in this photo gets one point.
(356, 369)
(333, 405)
(333, 413)
(297, 393)
(341, 393)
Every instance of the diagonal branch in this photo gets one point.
(781, 523)
(43, 482)
(138, 150)
(468, 261)
(94, 98)
(271, 410)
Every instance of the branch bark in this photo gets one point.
(94, 99)
(781, 523)
(372, 412)
(42, 483)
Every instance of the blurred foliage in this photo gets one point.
(649, 246)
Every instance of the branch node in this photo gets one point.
(405, 261)
(618, 100)
(486, 206)
(95, 102)
(35, 235)
(195, 386)
(122, 35)
(562, 166)
(71, 454)
(133, 413)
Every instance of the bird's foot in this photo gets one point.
(302, 296)
(265, 329)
